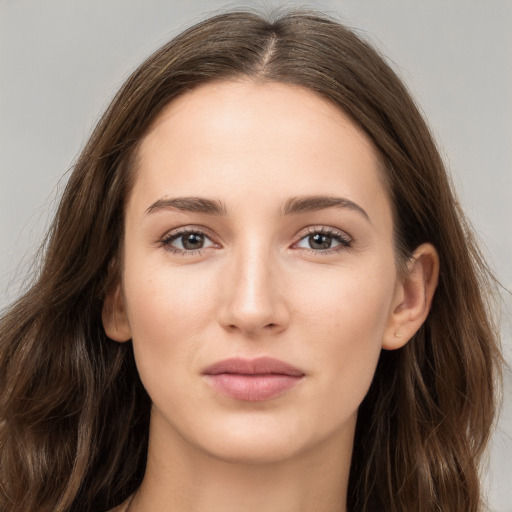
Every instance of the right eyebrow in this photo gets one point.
(189, 204)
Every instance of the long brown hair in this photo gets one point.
(73, 413)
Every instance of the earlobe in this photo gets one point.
(413, 298)
(114, 318)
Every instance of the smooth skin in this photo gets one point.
(252, 274)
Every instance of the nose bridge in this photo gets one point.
(253, 301)
(254, 271)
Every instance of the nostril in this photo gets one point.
(234, 327)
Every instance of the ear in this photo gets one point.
(413, 297)
(114, 317)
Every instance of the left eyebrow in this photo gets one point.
(304, 204)
(189, 204)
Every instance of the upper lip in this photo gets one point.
(258, 366)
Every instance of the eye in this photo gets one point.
(187, 241)
(324, 240)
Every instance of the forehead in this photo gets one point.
(243, 136)
(239, 106)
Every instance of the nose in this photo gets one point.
(253, 299)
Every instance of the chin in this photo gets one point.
(254, 440)
(254, 452)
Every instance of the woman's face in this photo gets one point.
(257, 227)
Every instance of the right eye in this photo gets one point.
(187, 241)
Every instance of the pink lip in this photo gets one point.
(253, 380)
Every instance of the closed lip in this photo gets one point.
(258, 366)
(252, 380)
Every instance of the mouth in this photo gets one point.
(252, 380)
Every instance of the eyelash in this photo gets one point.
(178, 233)
(344, 240)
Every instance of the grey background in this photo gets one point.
(62, 60)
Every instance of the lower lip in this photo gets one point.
(252, 388)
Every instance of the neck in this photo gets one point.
(180, 477)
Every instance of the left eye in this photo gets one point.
(320, 241)
(188, 241)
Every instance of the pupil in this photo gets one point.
(193, 241)
(319, 241)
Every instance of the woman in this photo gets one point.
(258, 294)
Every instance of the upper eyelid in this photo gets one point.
(176, 232)
(327, 230)
(303, 231)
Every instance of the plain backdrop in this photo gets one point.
(61, 61)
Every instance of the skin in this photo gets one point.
(258, 288)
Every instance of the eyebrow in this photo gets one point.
(305, 204)
(189, 204)
(292, 206)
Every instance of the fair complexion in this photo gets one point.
(258, 225)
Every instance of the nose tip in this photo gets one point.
(252, 322)
(255, 312)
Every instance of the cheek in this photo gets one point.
(345, 314)
(168, 312)
(166, 299)
(348, 303)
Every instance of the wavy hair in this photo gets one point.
(73, 412)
